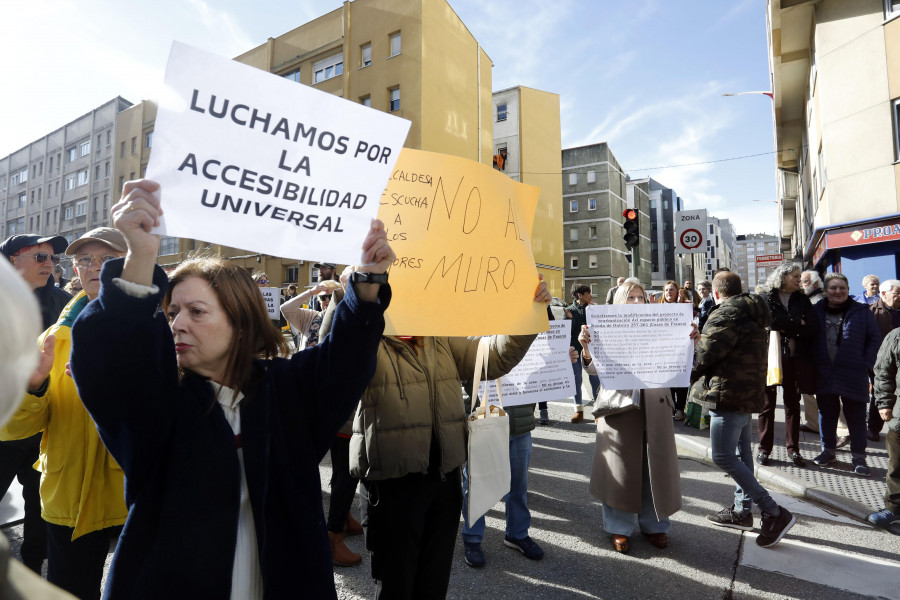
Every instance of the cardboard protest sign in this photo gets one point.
(255, 161)
(544, 373)
(462, 235)
(641, 346)
(272, 298)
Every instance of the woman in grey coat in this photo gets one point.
(635, 471)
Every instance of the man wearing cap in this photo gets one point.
(81, 486)
(33, 257)
(327, 271)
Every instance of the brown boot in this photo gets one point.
(341, 555)
(578, 417)
(352, 526)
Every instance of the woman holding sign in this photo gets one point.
(635, 471)
(220, 438)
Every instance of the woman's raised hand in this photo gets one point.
(377, 253)
(134, 215)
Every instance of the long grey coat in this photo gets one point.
(616, 472)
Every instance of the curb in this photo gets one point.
(783, 481)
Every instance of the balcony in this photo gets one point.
(788, 196)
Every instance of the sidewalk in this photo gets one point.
(835, 485)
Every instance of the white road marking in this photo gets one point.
(802, 507)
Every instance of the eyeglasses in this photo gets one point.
(263, 282)
(87, 261)
(325, 297)
(41, 257)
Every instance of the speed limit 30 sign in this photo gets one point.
(690, 231)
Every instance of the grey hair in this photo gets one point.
(814, 277)
(888, 285)
(869, 278)
(776, 278)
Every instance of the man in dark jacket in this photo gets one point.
(887, 314)
(582, 297)
(730, 378)
(886, 373)
(33, 257)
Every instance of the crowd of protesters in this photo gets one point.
(161, 406)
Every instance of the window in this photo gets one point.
(573, 206)
(121, 183)
(17, 226)
(106, 170)
(592, 232)
(56, 192)
(70, 211)
(148, 140)
(291, 274)
(592, 204)
(39, 193)
(131, 176)
(108, 137)
(328, 68)
(20, 177)
(293, 75)
(86, 148)
(394, 94)
(23, 199)
(501, 112)
(366, 100)
(41, 168)
(891, 8)
(711, 230)
(573, 234)
(592, 261)
(32, 196)
(51, 163)
(71, 154)
(82, 177)
(591, 177)
(122, 151)
(168, 245)
(573, 262)
(70, 182)
(81, 208)
(653, 205)
(394, 40)
(134, 145)
(365, 59)
(573, 178)
(105, 201)
(97, 172)
(595, 289)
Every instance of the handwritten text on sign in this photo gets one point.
(255, 161)
(641, 346)
(462, 235)
(543, 375)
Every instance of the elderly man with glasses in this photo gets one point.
(33, 257)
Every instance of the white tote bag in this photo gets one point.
(488, 451)
(774, 374)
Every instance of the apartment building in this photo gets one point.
(63, 183)
(719, 250)
(528, 148)
(753, 258)
(594, 197)
(835, 69)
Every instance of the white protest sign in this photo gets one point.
(255, 161)
(641, 346)
(544, 374)
(272, 298)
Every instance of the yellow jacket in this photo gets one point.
(81, 485)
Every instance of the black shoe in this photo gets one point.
(842, 441)
(873, 437)
(728, 518)
(798, 460)
(774, 528)
(526, 546)
(762, 457)
(473, 554)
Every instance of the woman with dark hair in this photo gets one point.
(793, 318)
(219, 437)
(844, 352)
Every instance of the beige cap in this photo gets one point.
(107, 235)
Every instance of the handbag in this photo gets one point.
(774, 373)
(488, 446)
(613, 402)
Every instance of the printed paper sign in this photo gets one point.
(641, 346)
(258, 162)
(462, 235)
(272, 298)
(544, 374)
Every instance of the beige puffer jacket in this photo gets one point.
(410, 394)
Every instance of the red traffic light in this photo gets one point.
(630, 214)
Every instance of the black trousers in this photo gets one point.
(343, 485)
(77, 565)
(892, 495)
(680, 396)
(411, 524)
(17, 460)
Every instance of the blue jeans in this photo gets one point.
(595, 382)
(621, 522)
(518, 517)
(854, 411)
(729, 438)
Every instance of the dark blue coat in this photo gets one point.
(182, 475)
(848, 375)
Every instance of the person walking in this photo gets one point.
(811, 284)
(672, 293)
(582, 297)
(887, 372)
(887, 314)
(844, 352)
(793, 319)
(729, 377)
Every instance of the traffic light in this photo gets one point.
(632, 235)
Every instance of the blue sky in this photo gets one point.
(645, 76)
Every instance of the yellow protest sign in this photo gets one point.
(462, 235)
